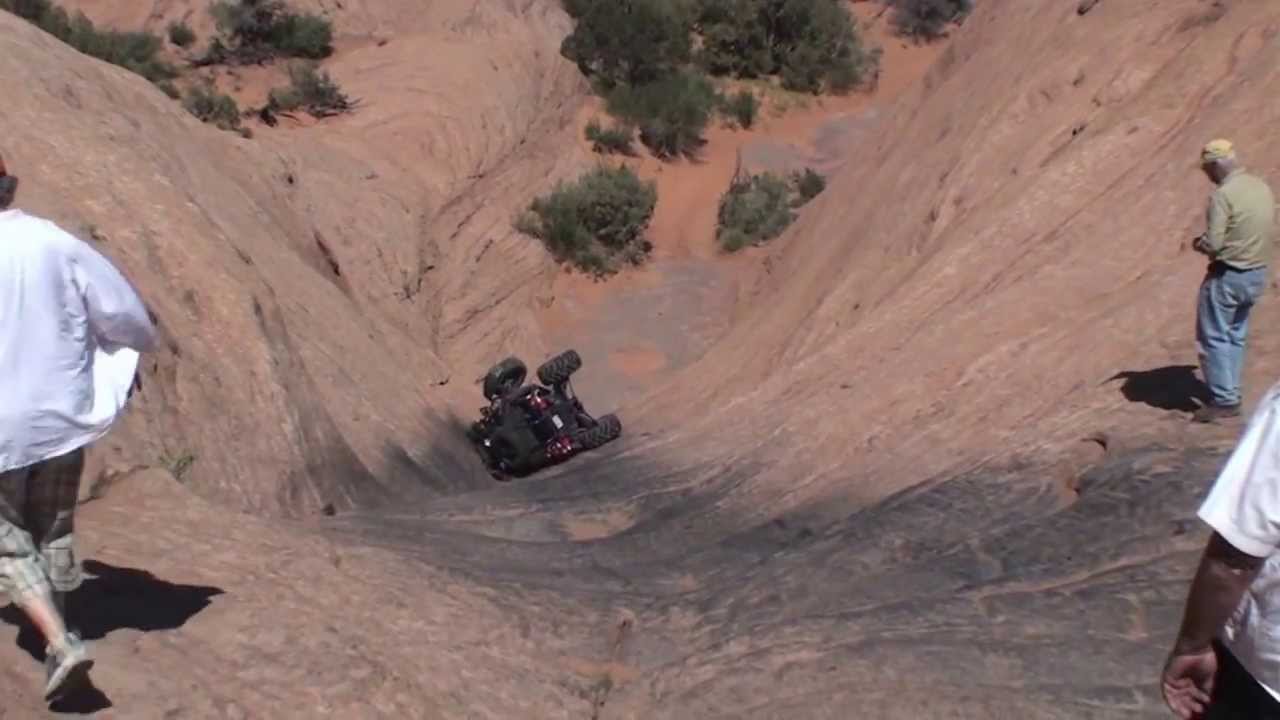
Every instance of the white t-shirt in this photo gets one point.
(71, 328)
(1244, 508)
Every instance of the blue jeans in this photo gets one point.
(1222, 323)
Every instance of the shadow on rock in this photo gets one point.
(1174, 387)
(444, 463)
(85, 701)
(114, 598)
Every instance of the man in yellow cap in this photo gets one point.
(1238, 242)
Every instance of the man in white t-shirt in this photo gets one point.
(1225, 662)
(71, 328)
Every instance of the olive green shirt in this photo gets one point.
(1241, 222)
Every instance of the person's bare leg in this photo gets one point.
(44, 615)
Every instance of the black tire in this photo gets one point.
(559, 368)
(606, 430)
(504, 377)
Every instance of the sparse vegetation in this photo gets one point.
(627, 43)
(650, 59)
(671, 113)
(757, 208)
(742, 107)
(310, 89)
(613, 139)
(598, 222)
(210, 106)
(254, 31)
(927, 19)
(808, 185)
(169, 89)
(134, 51)
(753, 211)
(178, 464)
(811, 45)
(181, 34)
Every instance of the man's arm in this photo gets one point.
(117, 316)
(1224, 575)
(1243, 508)
(1211, 242)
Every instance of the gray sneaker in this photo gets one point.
(1212, 413)
(67, 669)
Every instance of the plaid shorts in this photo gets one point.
(37, 505)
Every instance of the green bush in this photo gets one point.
(310, 89)
(808, 185)
(169, 89)
(812, 45)
(134, 51)
(753, 211)
(30, 10)
(254, 31)
(615, 139)
(627, 43)
(742, 107)
(210, 106)
(181, 34)
(671, 113)
(758, 208)
(304, 36)
(598, 222)
(927, 19)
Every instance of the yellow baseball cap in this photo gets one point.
(1217, 150)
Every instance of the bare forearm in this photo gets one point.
(1220, 582)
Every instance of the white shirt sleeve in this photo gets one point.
(1244, 504)
(117, 316)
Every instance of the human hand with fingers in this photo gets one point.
(1187, 682)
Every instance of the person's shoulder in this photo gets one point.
(41, 230)
(39, 238)
(1251, 180)
(1243, 187)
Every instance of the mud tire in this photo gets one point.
(560, 368)
(607, 429)
(504, 377)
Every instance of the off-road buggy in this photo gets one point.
(526, 428)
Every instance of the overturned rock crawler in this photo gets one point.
(527, 427)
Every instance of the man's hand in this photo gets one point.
(1187, 682)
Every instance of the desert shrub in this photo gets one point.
(212, 107)
(927, 19)
(627, 43)
(752, 211)
(598, 222)
(812, 45)
(671, 113)
(253, 31)
(757, 208)
(169, 89)
(134, 51)
(808, 185)
(31, 10)
(312, 90)
(742, 107)
(614, 139)
(181, 34)
(304, 36)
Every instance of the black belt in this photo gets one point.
(1217, 266)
